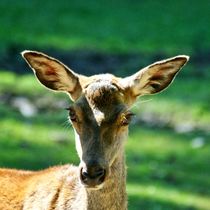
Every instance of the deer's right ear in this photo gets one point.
(155, 77)
(53, 74)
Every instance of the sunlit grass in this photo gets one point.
(34, 145)
(17, 84)
(186, 101)
(162, 194)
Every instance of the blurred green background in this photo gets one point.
(168, 151)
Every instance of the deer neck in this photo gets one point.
(113, 194)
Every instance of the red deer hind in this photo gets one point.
(100, 115)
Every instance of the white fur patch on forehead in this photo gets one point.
(107, 77)
(104, 78)
(105, 85)
(105, 82)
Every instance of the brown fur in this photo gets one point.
(100, 116)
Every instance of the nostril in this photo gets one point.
(99, 173)
(85, 174)
(92, 173)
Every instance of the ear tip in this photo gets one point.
(26, 53)
(183, 57)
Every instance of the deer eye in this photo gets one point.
(126, 118)
(72, 114)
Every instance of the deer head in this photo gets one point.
(100, 113)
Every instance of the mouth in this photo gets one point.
(93, 187)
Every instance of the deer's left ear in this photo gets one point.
(53, 74)
(154, 78)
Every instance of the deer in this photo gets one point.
(100, 114)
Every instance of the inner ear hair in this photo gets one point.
(53, 74)
(158, 76)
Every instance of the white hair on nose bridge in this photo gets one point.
(99, 115)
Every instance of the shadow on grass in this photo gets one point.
(87, 61)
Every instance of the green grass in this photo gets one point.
(33, 146)
(154, 197)
(186, 101)
(165, 172)
(121, 26)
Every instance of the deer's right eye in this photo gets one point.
(72, 114)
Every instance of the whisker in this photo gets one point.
(145, 101)
(66, 125)
(136, 105)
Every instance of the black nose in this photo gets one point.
(93, 175)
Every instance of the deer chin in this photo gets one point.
(93, 187)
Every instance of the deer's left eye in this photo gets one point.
(126, 118)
